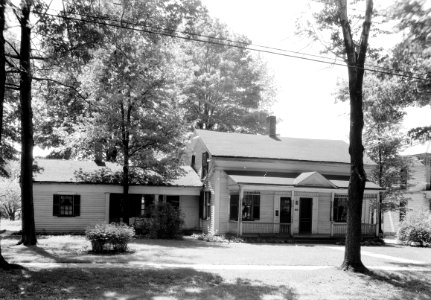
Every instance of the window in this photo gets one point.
(174, 201)
(193, 163)
(66, 205)
(205, 205)
(205, 158)
(340, 209)
(234, 207)
(147, 202)
(251, 207)
(403, 209)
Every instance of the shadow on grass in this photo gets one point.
(114, 283)
(411, 285)
(56, 258)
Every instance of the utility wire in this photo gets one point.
(246, 44)
(232, 44)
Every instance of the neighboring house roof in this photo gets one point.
(306, 179)
(63, 171)
(262, 146)
(418, 149)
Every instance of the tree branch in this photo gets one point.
(62, 84)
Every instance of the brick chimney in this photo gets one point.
(272, 127)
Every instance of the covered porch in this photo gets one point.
(307, 205)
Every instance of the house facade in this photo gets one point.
(416, 187)
(256, 184)
(64, 202)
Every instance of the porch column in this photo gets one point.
(107, 208)
(378, 214)
(331, 213)
(241, 195)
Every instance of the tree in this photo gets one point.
(226, 88)
(131, 105)
(28, 227)
(334, 19)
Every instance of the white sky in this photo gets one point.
(305, 102)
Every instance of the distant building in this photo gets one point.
(416, 185)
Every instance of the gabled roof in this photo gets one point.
(261, 146)
(313, 179)
(63, 171)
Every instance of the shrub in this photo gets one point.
(228, 238)
(105, 237)
(415, 228)
(164, 222)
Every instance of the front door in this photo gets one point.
(285, 214)
(305, 215)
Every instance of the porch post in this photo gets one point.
(331, 213)
(241, 195)
(378, 215)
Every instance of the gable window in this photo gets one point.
(251, 206)
(340, 209)
(205, 157)
(205, 205)
(174, 201)
(233, 215)
(66, 205)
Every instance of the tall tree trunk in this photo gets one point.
(2, 65)
(356, 61)
(125, 144)
(3, 263)
(28, 227)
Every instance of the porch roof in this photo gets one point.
(302, 180)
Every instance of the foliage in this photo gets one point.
(420, 133)
(164, 222)
(415, 228)
(10, 198)
(114, 235)
(225, 88)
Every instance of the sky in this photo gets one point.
(305, 104)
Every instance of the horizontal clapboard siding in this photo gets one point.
(92, 207)
(93, 204)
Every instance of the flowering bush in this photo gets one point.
(416, 228)
(109, 237)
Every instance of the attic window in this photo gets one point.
(205, 157)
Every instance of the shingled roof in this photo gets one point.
(284, 148)
(63, 171)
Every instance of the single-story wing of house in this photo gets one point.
(265, 184)
(64, 202)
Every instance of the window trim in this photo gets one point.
(57, 205)
(336, 217)
(255, 196)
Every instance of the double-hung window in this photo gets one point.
(251, 206)
(66, 205)
(340, 209)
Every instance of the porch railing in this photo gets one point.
(340, 229)
(260, 228)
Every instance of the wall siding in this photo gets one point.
(93, 204)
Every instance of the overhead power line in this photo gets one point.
(224, 42)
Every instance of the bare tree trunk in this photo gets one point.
(356, 61)
(3, 263)
(28, 227)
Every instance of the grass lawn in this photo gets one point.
(114, 277)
